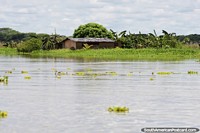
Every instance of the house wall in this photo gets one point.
(70, 44)
(94, 45)
(106, 45)
(79, 45)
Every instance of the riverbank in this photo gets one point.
(115, 54)
(8, 51)
(123, 54)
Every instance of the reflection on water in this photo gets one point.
(78, 103)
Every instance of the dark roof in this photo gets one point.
(90, 39)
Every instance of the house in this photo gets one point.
(78, 43)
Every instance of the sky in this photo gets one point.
(44, 16)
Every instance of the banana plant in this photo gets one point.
(122, 34)
(115, 35)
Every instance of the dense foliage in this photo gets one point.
(51, 42)
(29, 45)
(27, 42)
(10, 37)
(192, 38)
(167, 40)
(7, 35)
(23, 41)
(92, 30)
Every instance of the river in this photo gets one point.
(72, 103)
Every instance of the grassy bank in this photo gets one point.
(115, 54)
(8, 51)
(124, 54)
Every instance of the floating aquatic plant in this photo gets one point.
(61, 73)
(112, 73)
(118, 109)
(164, 73)
(151, 79)
(24, 72)
(88, 69)
(53, 69)
(130, 74)
(8, 72)
(80, 73)
(68, 68)
(192, 72)
(95, 74)
(58, 76)
(3, 114)
(27, 77)
(4, 79)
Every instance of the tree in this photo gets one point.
(29, 45)
(92, 30)
(7, 35)
(51, 42)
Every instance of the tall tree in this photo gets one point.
(92, 30)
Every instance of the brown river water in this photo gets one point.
(77, 100)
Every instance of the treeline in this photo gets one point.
(10, 37)
(131, 40)
(151, 40)
(193, 38)
(166, 40)
(27, 42)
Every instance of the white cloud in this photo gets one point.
(180, 16)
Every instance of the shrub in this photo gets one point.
(29, 45)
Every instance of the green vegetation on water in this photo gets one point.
(3, 114)
(4, 79)
(118, 109)
(192, 72)
(123, 54)
(164, 73)
(114, 54)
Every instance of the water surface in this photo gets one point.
(73, 103)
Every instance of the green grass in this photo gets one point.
(115, 54)
(8, 51)
(123, 54)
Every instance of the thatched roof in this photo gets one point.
(90, 39)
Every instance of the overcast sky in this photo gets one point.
(43, 16)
